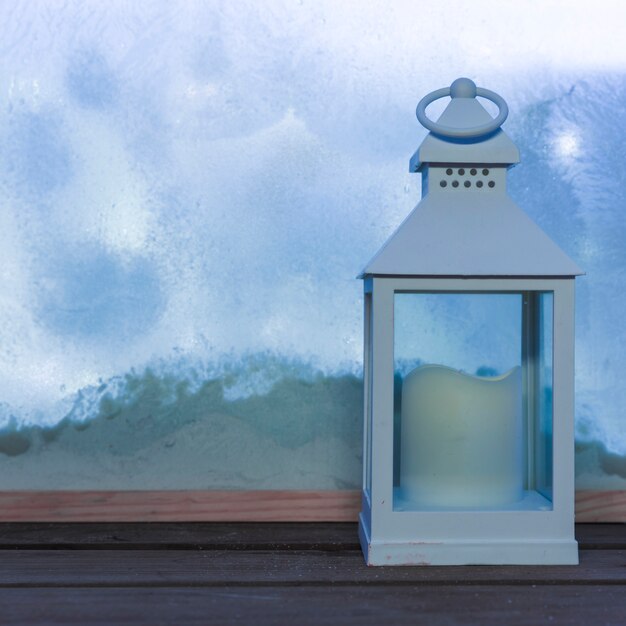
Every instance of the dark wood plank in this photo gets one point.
(181, 536)
(263, 606)
(228, 536)
(601, 536)
(215, 567)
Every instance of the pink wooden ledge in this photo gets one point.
(231, 506)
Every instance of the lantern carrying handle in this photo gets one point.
(462, 88)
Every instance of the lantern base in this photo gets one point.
(466, 552)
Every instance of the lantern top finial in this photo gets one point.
(463, 124)
(463, 88)
(465, 132)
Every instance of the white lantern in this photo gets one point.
(469, 364)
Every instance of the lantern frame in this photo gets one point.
(391, 537)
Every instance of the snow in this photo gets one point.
(187, 184)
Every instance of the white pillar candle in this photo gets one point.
(461, 438)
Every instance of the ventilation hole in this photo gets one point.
(461, 172)
(443, 183)
(491, 184)
(485, 172)
(455, 183)
(473, 172)
(449, 171)
(479, 183)
(467, 183)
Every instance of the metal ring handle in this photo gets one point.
(462, 133)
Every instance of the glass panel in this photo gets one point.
(543, 416)
(461, 408)
(367, 380)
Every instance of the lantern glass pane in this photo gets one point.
(367, 380)
(542, 439)
(472, 401)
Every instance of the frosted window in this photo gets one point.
(188, 190)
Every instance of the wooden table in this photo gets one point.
(280, 573)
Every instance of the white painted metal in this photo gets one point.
(520, 536)
(462, 88)
(467, 236)
(477, 233)
(462, 113)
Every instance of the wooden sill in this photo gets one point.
(231, 506)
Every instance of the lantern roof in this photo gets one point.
(478, 235)
(474, 228)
